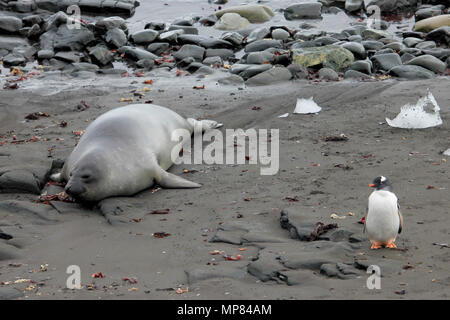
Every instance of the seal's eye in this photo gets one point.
(86, 178)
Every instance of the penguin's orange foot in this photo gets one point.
(376, 245)
(391, 245)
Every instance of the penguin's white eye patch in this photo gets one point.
(383, 179)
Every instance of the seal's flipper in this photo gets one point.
(171, 181)
(203, 125)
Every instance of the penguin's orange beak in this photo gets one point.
(371, 185)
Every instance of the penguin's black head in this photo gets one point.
(381, 183)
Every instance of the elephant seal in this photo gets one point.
(125, 151)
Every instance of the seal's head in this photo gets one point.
(85, 179)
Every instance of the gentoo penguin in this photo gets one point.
(384, 219)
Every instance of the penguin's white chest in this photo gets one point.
(383, 221)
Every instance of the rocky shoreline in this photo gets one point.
(250, 54)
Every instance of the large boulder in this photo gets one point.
(331, 56)
(432, 23)
(231, 21)
(116, 37)
(252, 12)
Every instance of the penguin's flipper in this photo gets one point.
(401, 220)
(365, 219)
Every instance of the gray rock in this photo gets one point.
(31, 20)
(385, 51)
(298, 71)
(223, 53)
(101, 55)
(136, 53)
(215, 61)
(38, 213)
(111, 23)
(69, 56)
(66, 39)
(204, 70)
(158, 47)
(352, 74)
(303, 11)
(202, 41)
(233, 37)
(45, 54)
(358, 50)
(158, 26)
(231, 80)
(354, 5)
(372, 45)
(81, 66)
(426, 13)
(413, 51)
(396, 46)
(147, 64)
(144, 36)
(324, 41)
(34, 31)
(429, 62)
(189, 50)
(261, 45)
(364, 66)
(116, 37)
(386, 61)
(171, 36)
(411, 72)
(280, 34)
(249, 70)
(120, 7)
(375, 34)
(389, 6)
(8, 293)
(439, 53)
(186, 29)
(440, 35)
(426, 45)
(10, 24)
(14, 59)
(258, 34)
(260, 57)
(406, 57)
(355, 38)
(412, 42)
(328, 74)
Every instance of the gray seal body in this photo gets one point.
(125, 151)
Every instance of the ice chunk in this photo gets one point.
(283, 115)
(447, 153)
(306, 106)
(416, 116)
